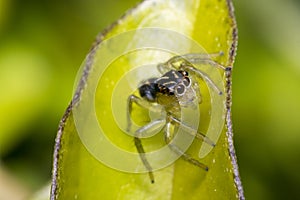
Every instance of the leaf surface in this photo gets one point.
(78, 173)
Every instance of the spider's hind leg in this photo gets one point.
(139, 146)
(168, 137)
(191, 131)
(140, 102)
(142, 132)
(141, 151)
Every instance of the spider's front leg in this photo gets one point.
(203, 75)
(197, 58)
(177, 150)
(197, 91)
(186, 62)
(204, 59)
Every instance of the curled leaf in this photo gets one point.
(95, 156)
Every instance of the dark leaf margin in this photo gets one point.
(82, 84)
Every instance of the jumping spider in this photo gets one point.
(175, 88)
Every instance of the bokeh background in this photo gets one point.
(43, 43)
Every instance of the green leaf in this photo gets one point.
(87, 166)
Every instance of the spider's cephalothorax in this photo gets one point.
(177, 87)
(171, 83)
(171, 90)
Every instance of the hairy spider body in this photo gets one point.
(170, 90)
(177, 87)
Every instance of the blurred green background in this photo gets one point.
(43, 43)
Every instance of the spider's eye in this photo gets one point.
(180, 89)
(184, 73)
(186, 81)
(148, 91)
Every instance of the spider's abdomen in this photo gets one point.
(148, 91)
(171, 84)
